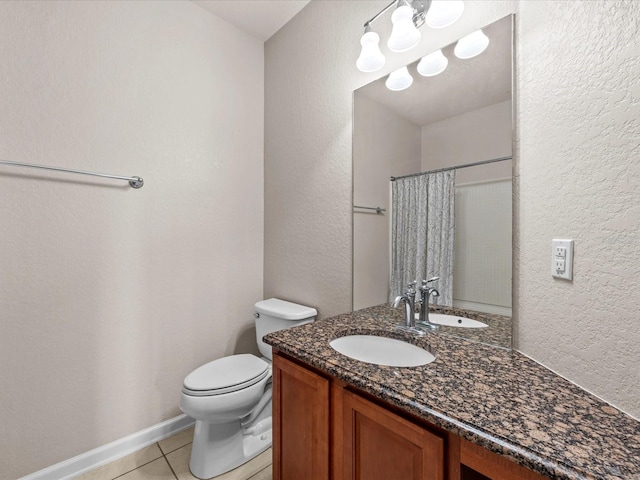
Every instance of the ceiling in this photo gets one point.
(259, 18)
(464, 86)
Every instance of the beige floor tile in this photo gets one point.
(179, 460)
(266, 474)
(176, 441)
(156, 470)
(123, 465)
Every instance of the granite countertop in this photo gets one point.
(496, 398)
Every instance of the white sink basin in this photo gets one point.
(454, 321)
(382, 351)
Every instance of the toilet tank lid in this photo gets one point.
(285, 310)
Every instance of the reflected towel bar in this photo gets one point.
(135, 182)
(378, 210)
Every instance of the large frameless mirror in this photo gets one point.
(432, 186)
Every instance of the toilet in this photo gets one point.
(230, 398)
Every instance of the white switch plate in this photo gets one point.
(562, 259)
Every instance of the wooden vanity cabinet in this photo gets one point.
(368, 442)
(323, 430)
(300, 422)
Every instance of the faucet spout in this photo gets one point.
(409, 300)
(396, 302)
(427, 292)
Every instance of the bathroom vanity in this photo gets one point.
(475, 412)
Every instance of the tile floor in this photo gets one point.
(169, 460)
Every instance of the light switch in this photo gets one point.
(562, 259)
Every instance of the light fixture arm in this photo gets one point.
(368, 23)
(420, 9)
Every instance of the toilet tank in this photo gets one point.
(275, 314)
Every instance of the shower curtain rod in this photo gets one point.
(483, 162)
(135, 182)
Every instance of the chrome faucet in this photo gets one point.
(427, 292)
(409, 299)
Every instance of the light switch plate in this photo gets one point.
(562, 259)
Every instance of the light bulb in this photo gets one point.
(443, 13)
(433, 64)
(404, 35)
(399, 80)
(371, 58)
(472, 45)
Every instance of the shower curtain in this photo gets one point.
(422, 233)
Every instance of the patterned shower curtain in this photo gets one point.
(422, 233)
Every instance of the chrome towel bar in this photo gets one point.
(378, 210)
(135, 182)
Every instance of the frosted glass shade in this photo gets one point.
(443, 13)
(433, 64)
(472, 45)
(371, 58)
(404, 35)
(399, 80)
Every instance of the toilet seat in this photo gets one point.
(225, 375)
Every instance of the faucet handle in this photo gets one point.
(426, 282)
(411, 288)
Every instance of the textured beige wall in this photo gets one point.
(577, 98)
(579, 121)
(109, 296)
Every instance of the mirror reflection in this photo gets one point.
(447, 143)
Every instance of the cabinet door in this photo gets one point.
(379, 445)
(301, 423)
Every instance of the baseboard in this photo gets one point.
(87, 461)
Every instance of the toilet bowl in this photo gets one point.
(230, 398)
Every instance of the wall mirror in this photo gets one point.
(456, 118)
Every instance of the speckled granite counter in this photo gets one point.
(494, 397)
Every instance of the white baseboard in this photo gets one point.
(87, 461)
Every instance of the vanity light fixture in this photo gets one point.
(443, 13)
(399, 79)
(405, 35)
(371, 58)
(407, 18)
(433, 64)
(472, 45)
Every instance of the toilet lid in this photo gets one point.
(227, 374)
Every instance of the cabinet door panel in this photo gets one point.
(381, 445)
(301, 423)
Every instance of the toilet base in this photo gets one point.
(218, 448)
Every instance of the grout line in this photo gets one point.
(134, 469)
(144, 464)
(178, 448)
(170, 467)
(164, 455)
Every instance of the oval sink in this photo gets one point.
(382, 351)
(454, 321)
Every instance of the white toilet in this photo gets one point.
(230, 398)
